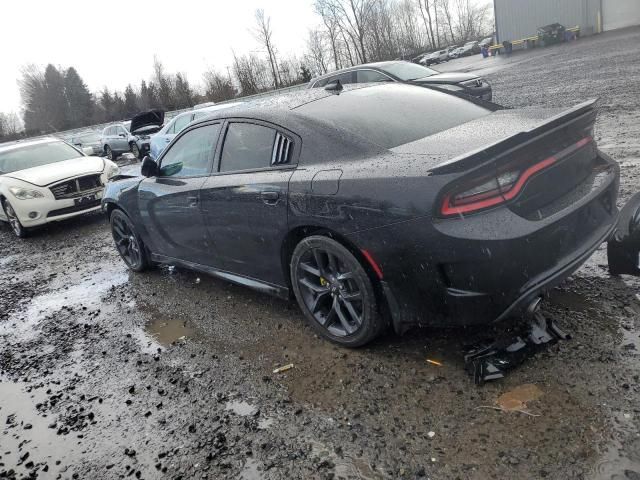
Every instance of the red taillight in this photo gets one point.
(489, 192)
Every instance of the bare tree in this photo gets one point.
(426, 10)
(353, 17)
(316, 45)
(218, 87)
(263, 34)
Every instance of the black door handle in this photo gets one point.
(192, 201)
(270, 197)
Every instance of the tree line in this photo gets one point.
(349, 32)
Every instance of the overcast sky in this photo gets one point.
(112, 43)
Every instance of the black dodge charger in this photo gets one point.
(376, 205)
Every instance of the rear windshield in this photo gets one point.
(37, 155)
(392, 115)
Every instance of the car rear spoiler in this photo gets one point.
(519, 140)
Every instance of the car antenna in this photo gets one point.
(334, 87)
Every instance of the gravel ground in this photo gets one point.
(168, 374)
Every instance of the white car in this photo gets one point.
(47, 180)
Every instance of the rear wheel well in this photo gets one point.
(299, 233)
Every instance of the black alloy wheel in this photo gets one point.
(14, 221)
(128, 242)
(335, 292)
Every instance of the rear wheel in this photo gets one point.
(128, 243)
(334, 292)
(14, 221)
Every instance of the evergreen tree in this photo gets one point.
(107, 103)
(79, 100)
(119, 107)
(130, 101)
(183, 92)
(55, 101)
(305, 74)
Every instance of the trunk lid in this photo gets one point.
(548, 155)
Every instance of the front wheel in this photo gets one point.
(14, 221)
(128, 243)
(135, 150)
(334, 292)
(111, 155)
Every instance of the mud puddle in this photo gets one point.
(167, 330)
(28, 439)
(67, 293)
(345, 466)
(518, 397)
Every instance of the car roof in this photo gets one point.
(281, 109)
(4, 147)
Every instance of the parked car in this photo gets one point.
(88, 142)
(455, 52)
(160, 140)
(469, 48)
(47, 180)
(376, 204)
(436, 57)
(485, 42)
(133, 136)
(407, 72)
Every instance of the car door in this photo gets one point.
(170, 203)
(245, 202)
(120, 139)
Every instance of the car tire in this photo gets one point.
(128, 242)
(334, 292)
(14, 222)
(135, 150)
(110, 154)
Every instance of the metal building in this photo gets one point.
(517, 19)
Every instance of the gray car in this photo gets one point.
(88, 140)
(115, 141)
(133, 136)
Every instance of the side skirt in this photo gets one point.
(275, 290)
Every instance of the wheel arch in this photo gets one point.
(299, 233)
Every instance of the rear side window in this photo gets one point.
(390, 115)
(180, 123)
(191, 154)
(247, 146)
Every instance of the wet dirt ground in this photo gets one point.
(169, 374)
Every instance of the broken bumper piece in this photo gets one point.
(491, 361)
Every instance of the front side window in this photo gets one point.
(120, 131)
(345, 78)
(247, 147)
(371, 76)
(191, 154)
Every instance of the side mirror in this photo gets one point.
(87, 150)
(121, 135)
(149, 168)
